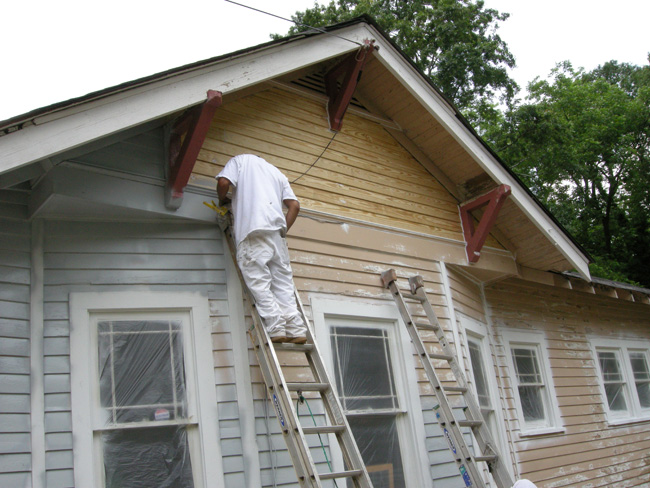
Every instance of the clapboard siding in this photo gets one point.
(15, 408)
(589, 452)
(364, 174)
(332, 268)
(116, 256)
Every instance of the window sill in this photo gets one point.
(542, 432)
(627, 421)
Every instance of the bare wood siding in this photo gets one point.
(590, 452)
(114, 256)
(364, 174)
(15, 422)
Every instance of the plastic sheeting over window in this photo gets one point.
(530, 383)
(613, 380)
(144, 404)
(639, 363)
(366, 384)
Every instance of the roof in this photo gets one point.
(391, 87)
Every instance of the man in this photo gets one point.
(259, 191)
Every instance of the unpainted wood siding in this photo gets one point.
(117, 256)
(15, 422)
(363, 174)
(590, 452)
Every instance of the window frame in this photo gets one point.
(477, 332)
(410, 418)
(622, 348)
(86, 309)
(535, 341)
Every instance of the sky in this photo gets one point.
(55, 50)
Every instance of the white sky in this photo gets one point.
(55, 50)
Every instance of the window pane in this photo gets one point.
(526, 366)
(641, 377)
(363, 368)
(476, 358)
(378, 442)
(613, 380)
(147, 458)
(532, 403)
(141, 370)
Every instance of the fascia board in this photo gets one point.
(54, 133)
(444, 113)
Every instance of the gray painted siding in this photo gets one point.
(112, 256)
(15, 423)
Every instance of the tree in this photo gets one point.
(454, 42)
(581, 142)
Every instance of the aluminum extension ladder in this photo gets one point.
(465, 460)
(280, 391)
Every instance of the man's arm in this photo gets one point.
(223, 185)
(293, 207)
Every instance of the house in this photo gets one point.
(123, 351)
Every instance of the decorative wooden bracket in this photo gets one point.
(340, 95)
(194, 124)
(475, 238)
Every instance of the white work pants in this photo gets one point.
(263, 258)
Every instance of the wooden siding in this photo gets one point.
(590, 452)
(364, 174)
(327, 267)
(114, 256)
(142, 155)
(15, 422)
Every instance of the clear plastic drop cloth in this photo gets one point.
(529, 379)
(143, 404)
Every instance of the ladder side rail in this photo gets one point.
(277, 388)
(350, 451)
(451, 429)
(481, 432)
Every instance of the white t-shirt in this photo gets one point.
(259, 189)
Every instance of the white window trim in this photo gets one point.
(538, 340)
(478, 330)
(635, 412)
(198, 361)
(323, 309)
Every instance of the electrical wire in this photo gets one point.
(317, 159)
(294, 22)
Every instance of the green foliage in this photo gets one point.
(454, 42)
(581, 141)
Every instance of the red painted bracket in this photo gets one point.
(340, 96)
(475, 238)
(182, 157)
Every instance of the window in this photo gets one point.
(366, 384)
(137, 391)
(365, 344)
(534, 392)
(624, 377)
(482, 379)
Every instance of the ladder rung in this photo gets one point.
(324, 429)
(470, 423)
(426, 326)
(410, 296)
(341, 474)
(487, 459)
(308, 386)
(288, 346)
(459, 389)
(446, 357)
